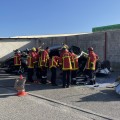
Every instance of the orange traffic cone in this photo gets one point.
(22, 91)
(21, 77)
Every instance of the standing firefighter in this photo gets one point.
(65, 61)
(17, 59)
(39, 68)
(91, 66)
(53, 64)
(74, 67)
(44, 59)
(31, 60)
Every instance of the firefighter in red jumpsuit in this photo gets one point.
(17, 60)
(74, 67)
(66, 64)
(91, 66)
(39, 69)
(31, 60)
(53, 64)
(44, 61)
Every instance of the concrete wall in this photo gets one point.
(96, 40)
(113, 48)
(106, 46)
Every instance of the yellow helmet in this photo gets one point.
(34, 49)
(65, 46)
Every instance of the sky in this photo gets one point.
(46, 17)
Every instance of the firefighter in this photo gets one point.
(36, 69)
(62, 49)
(39, 69)
(65, 61)
(74, 67)
(90, 66)
(44, 60)
(17, 59)
(31, 60)
(53, 64)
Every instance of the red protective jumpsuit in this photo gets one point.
(53, 64)
(44, 60)
(66, 63)
(17, 59)
(31, 60)
(74, 68)
(90, 66)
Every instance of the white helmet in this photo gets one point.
(18, 51)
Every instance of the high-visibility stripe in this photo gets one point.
(52, 66)
(43, 58)
(65, 57)
(17, 62)
(66, 68)
(53, 62)
(30, 62)
(88, 63)
(93, 68)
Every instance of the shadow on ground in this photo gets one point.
(7, 95)
(103, 95)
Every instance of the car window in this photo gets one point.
(76, 49)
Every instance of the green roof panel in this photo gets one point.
(105, 28)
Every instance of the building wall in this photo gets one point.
(105, 46)
(96, 40)
(113, 48)
(7, 45)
